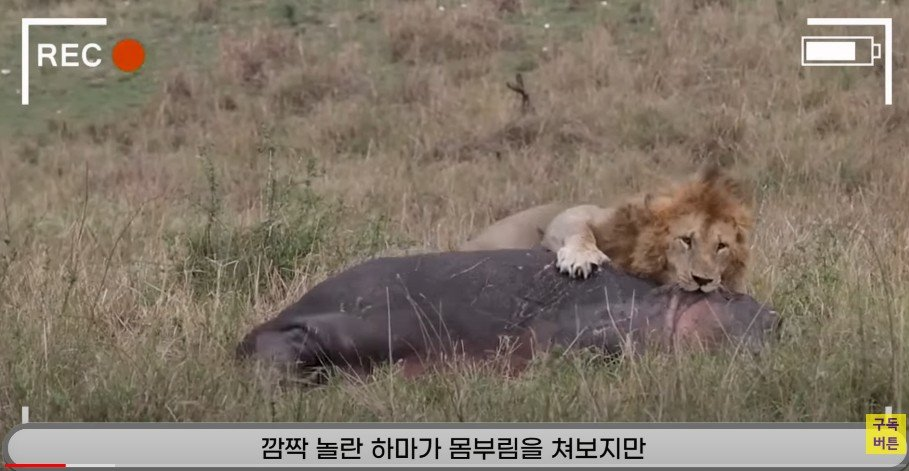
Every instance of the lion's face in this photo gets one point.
(694, 235)
(700, 252)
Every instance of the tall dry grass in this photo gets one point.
(136, 252)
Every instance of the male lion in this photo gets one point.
(693, 233)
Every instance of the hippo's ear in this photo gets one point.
(777, 327)
(281, 341)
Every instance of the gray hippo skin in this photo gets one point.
(418, 309)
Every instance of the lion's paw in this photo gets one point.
(579, 261)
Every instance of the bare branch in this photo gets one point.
(518, 87)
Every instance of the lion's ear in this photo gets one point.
(654, 203)
(713, 175)
(710, 173)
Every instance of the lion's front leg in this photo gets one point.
(572, 237)
(579, 257)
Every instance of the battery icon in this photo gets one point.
(846, 51)
(839, 51)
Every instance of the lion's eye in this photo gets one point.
(721, 246)
(686, 240)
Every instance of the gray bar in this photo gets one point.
(228, 444)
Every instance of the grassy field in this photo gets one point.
(148, 221)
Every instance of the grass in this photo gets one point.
(266, 145)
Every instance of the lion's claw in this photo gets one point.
(579, 262)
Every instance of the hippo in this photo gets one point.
(421, 309)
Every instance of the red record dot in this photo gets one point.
(128, 55)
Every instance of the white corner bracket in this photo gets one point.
(27, 22)
(843, 51)
(24, 414)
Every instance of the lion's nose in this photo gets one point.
(701, 281)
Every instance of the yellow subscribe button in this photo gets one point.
(885, 434)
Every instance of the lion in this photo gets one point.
(694, 234)
(522, 230)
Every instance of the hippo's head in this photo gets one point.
(717, 319)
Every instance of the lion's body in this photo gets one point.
(694, 234)
(522, 230)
